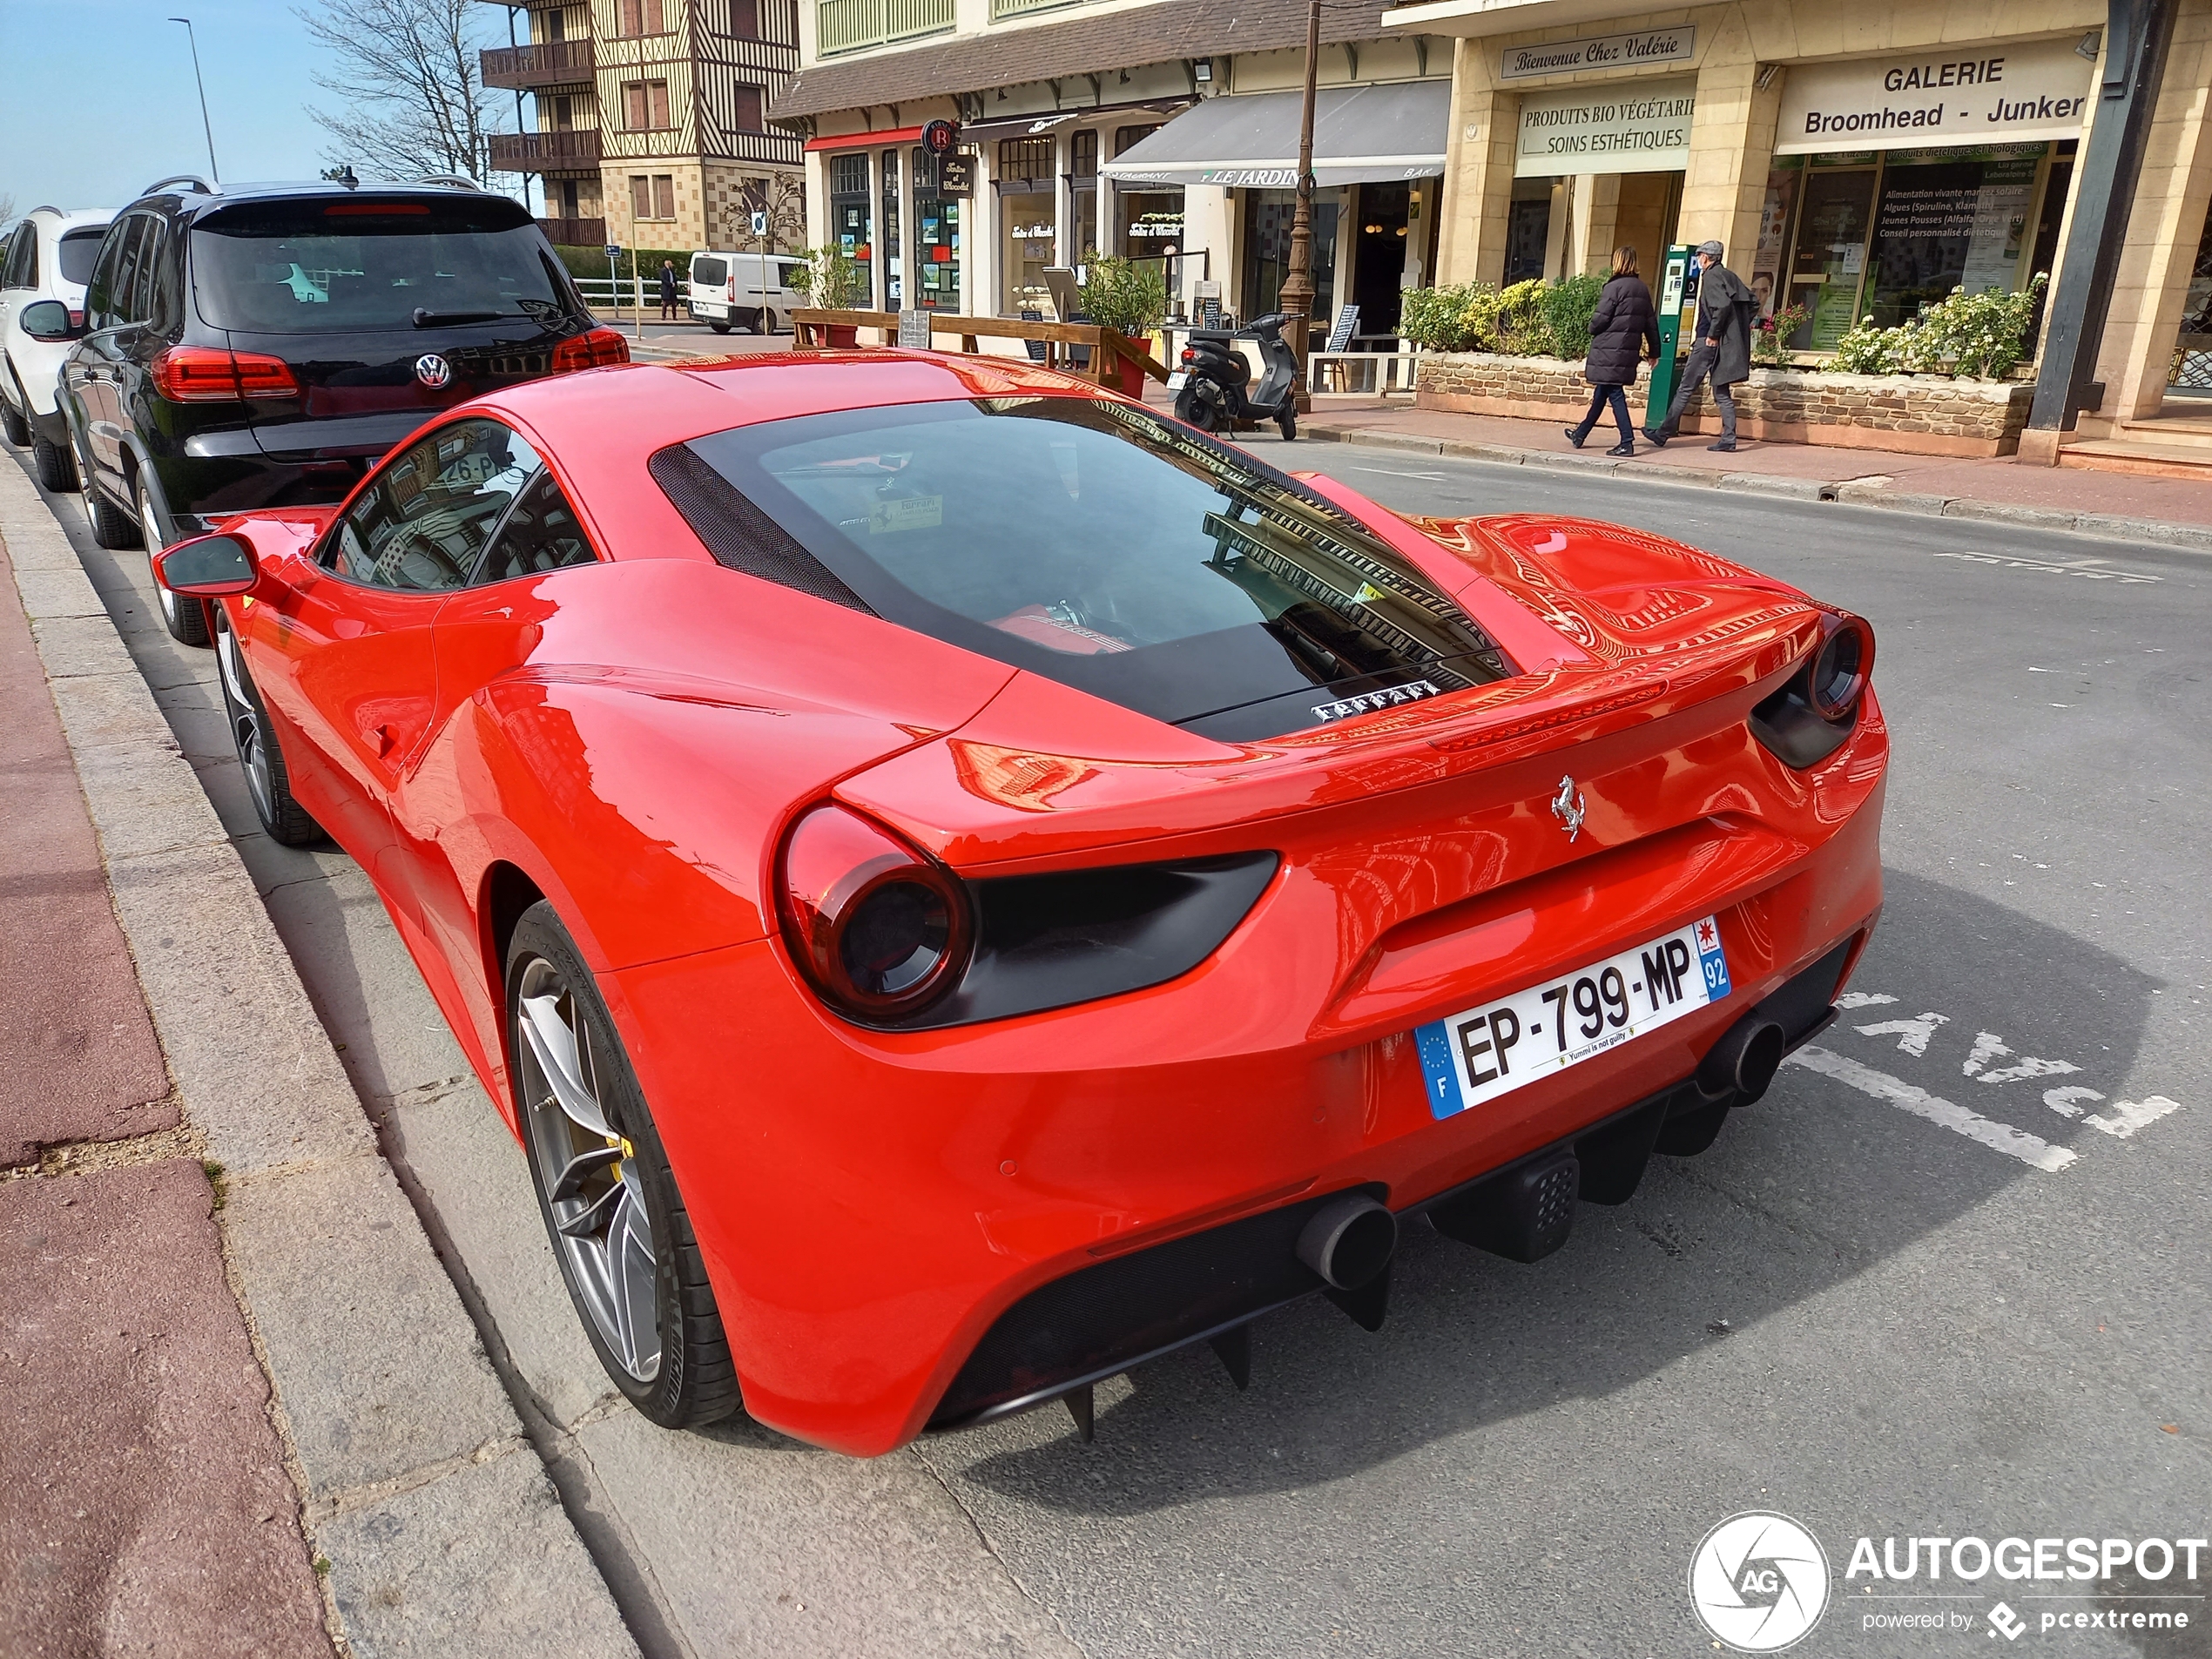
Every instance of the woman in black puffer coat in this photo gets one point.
(1623, 328)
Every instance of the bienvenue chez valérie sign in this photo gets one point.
(1645, 47)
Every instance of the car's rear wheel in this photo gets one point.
(267, 784)
(720, 324)
(764, 321)
(612, 1208)
(112, 526)
(57, 466)
(186, 618)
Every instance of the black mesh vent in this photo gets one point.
(738, 533)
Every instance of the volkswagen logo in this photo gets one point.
(1759, 1582)
(433, 370)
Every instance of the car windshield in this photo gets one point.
(80, 249)
(357, 265)
(1094, 542)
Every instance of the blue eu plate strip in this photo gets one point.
(1438, 1071)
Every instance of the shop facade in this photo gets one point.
(1062, 122)
(1859, 160)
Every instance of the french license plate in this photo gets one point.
(1176, 381)
(1506, 1045)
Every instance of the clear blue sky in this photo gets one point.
(99, 102)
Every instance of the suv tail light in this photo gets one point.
(209, 374)
(879, 928)
(592, 350)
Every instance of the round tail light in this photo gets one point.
(1189, 356)
(879, 928)
(1840, 668)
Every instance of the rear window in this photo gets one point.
(712, 272)
(1105, 548)
(784, 270)
(78, 250)
(321, 266)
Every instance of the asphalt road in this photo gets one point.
(1927, 1289)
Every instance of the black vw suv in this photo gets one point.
(261, 346)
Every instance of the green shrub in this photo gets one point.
(830, 279)
(1127, 295)
(1567, 308)
(1979, 336)
(1869, 350)
(1430, 317)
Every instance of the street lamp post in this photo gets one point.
(214, 174)
(1297, 286)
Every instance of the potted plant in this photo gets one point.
(1128, 296)
(831, 281)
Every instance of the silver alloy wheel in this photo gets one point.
(246, 724)
(150, 534)
(586, 1170)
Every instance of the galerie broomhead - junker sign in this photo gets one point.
(2000, 91)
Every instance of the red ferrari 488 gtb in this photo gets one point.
(963, 884)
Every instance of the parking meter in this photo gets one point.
(1677, 303)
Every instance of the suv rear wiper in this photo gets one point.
(425, 318)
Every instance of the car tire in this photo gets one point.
(112, 526)
(720, 324)
(13, 423)
(611, 1207)
(764, 321)
(186, 619)
(57, 466)
(268, 783)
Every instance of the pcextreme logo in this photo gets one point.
(1759, 1582)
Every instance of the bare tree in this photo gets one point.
(407, 72)
(781, 201)
(7, 207)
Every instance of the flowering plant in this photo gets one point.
(1773, 331)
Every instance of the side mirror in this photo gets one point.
(50, 320)
(207, 567)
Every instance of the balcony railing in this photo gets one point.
(1015, 8)
(575, 232)
(847, 26)
(552, 62)
(575, 151)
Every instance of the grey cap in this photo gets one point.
(1712, 248)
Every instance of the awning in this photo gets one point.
(1362, 135)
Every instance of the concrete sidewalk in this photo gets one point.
(143, 1490)
(251, 1416)
(2169, 511)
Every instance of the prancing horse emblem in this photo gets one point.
(433, 370)
(1569, 808)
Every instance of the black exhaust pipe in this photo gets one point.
(1349, 1242)
(1740, 1066)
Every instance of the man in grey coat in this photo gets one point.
(1720, 351)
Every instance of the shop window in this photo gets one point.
(1829, 264)
(937, 247)
(893, 249)
(1267, 249)
(848, 209)
(1025, 161)
(1528, 228)
(1027, 222)
(1127, 138)
(2191, 371)
(1083, 194)
(1947, 224)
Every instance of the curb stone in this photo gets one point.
(1851, 492)
(384, 1400)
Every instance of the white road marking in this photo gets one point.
(1392, 472)
(1989, 1046)
(2067, 1101)
(1912, 1035)
(2129, 1115)
(1862, 1000)
(2001, 1137)
(2012, 562)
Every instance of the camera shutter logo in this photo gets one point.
(433, 370)
(1759, 1582)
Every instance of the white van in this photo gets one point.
(750, 291)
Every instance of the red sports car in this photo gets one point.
(964, 884)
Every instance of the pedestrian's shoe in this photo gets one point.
(1574, 436)
(1622, 448)
(1655, 437)
(1726, 446)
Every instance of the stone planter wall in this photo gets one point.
(1915, 412)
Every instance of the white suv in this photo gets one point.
(747, 289)
(49, 257)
